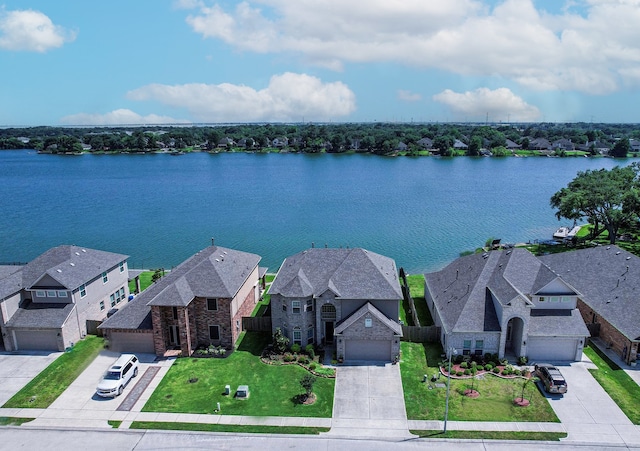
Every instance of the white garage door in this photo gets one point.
(368, 350)
(131, 342)
(45, 340)
(551, 349)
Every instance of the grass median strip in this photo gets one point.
(493, 435)
(237, 428)
(54, 379)
(14, 421)
(624, 391)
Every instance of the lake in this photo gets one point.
(160, 209)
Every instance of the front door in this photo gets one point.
(328, 332)
(174, 336)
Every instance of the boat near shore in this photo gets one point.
(566, 233)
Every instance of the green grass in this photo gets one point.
(273, 388)
(53, 380)
(416, 288)
(493, 435)
(624, 391)
(237, 428)
(114, 423)
(14, 421)
(145, 281)
(495, 402)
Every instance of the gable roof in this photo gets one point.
(70, 266)
(349, 273)
(368, 308)
(462, 290)
(608, 279)
(215, 272)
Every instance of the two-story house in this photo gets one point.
(349, 298)
(45, 304)
(200, 302)
(508, 303)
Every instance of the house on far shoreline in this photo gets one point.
(507, 303)
(49, 303)
(200, 302)
(349, 298)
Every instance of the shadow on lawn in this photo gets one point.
(254, 342)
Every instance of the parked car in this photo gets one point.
(118, 376)
(551, 378)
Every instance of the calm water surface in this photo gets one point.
(160, 209)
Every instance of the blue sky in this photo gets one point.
(78, 62)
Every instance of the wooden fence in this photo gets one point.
(92, 327)
(421, 334)
(256, 324)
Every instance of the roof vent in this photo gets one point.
(608, 301)
(628, 258)
(77, 253)
(217, 260)
(58, 270)
(72, 264)
(618, 253)
(84, 250)
(608, 247)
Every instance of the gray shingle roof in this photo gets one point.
(214, 272)
(10, 280)
(71, 266)
(368, 308)
(461, 290)
(608, 279)
(349, 273)
(557, 323)
(42, 316)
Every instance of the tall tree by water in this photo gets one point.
(608, 199)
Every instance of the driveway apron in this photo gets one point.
(369, 402)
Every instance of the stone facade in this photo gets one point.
(627, 349)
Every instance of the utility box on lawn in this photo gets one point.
(242, 392)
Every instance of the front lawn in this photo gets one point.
(54, 379)
(274, 389)
(624, 391)
(424, 401)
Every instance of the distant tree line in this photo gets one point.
(377, 138)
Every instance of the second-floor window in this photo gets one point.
(212, 304)
(295, 306)
(105, 278)
(83, 290)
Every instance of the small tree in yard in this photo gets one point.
(307, 383)
(521, 401)
(280, 342)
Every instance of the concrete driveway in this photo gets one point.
(16, 370)
(369, 402)
(81, 394)
(587, 411)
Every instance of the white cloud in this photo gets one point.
(499, 104)
(590, 46)
(29, 30)
(287, 97)
(408, 96)
(118, 117)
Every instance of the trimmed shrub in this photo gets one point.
(496, 370)
(467, 372)
(312, 366)
(464, 365)
(460, 373)
(288, 357)
(311, 351)
(295, 348)
(488, 367)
